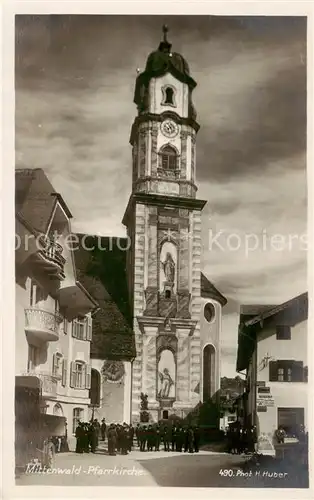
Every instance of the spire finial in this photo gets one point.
(165, 30)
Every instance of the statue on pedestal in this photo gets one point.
(169, 268)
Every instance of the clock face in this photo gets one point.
(169, 128)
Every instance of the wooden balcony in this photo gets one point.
(49, 257)
(43, 325)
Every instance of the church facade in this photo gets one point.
(176, 326)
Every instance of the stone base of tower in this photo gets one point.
(161, 375)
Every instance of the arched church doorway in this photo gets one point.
(208, 372)
(165, 414)
(94, 392)
(57, 410)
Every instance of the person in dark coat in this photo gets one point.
(186, 439)
(190, 439)
(196, 439)
(112, 439)
(79, 434)
(86, 439)
(119, 438)
(131, 440)
(166, 437)
(179, 439)
(157, 437)
(94, 437)
(143, 437)
(150, 438)
(137, 434)
(103, 427)
(124, 437)
(173, 437)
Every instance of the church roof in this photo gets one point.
(102, 271)
(208, 290)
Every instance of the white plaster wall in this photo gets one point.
(210, 334)
(285, 394)
(156, 96)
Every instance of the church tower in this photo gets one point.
(163, 221)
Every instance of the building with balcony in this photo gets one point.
(272, 350)
(53, 329)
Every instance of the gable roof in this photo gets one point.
(289, 313)
(208, 290)
(102, 270)
(35, 197)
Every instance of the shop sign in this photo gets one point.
(263, 390)
(261, 408)
(265, 400)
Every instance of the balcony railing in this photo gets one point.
(43, 325)
(48, 383)
(50, 258)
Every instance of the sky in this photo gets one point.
(75, 78)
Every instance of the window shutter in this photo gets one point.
(89, 326)
(54, 365)
(72, 369)
(74, 328)
(64, 372)
(273, 375)
(297, 371)
(88, 377)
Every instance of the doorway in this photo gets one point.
(165, 415)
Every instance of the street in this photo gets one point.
(204, 469)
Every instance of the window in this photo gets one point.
(286, 371)
(65, 326)
(283, 332)
(32, 358)
(57, 365)
(167, 294)
(169, 158)
(82, 328)
(77, 417)
(209, 312)
(168, 96)
(80, 377)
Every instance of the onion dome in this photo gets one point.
(159, 63)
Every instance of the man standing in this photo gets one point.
(79, 434)
(196, 436)
(143, 437)
(112, 439)
(131, 439)
(137, 434)
(173, 437)
(103, 427)
(157, 437)
(167, 437)
(150, 438)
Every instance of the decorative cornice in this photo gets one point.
(149, 321)
(162, 201)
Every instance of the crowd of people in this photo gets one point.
(122, 438)
(241, 439)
